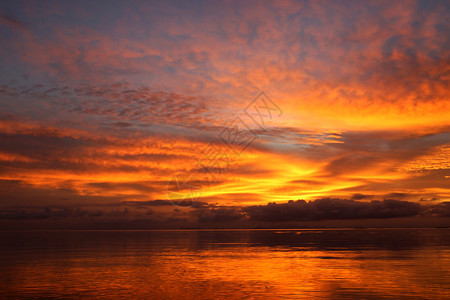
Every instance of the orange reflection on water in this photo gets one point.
(326, 264)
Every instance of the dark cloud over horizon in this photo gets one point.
(164, 214)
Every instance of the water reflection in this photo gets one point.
(234, 264)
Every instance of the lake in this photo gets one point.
(226, 264)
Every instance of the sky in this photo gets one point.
(224, 113)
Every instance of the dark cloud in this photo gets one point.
(160, 211)
(440, 210)
(396, 195)
(360, 197)
(332, 208)
(218, 214)
(136, 186)
(59, 212)
(166, 214)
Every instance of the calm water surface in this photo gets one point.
(226, 264)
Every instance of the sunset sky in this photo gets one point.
(173, 112)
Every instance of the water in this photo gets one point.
(226, 264)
